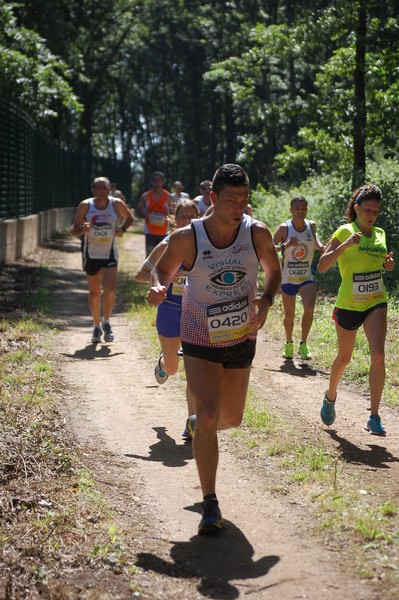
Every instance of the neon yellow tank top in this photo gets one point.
(360, 267)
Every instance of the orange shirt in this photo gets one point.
(156, 213)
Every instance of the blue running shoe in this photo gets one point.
(190, 425)
(375, 427)
(327, 412)
(160, 375)
(96, 335)
(212, 521)
(108, 333)
(188, 432)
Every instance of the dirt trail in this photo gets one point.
(115, 405)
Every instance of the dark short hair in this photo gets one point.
(205, 184)
(157, 174)
(298, 199)
(101, 178)
(229, 174)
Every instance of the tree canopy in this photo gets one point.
(287, 88)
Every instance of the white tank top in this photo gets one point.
(100, 242)
(297, 261)
(220, 289)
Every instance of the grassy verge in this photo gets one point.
(57, 532)
(324, 345)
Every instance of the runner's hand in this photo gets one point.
(353, 239)
(389, 262)
(262, 308)
(156, 295)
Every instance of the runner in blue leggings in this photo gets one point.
(169, 312)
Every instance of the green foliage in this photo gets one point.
(182, 87)
(30, 74)
(328, 196)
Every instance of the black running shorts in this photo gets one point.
(238, 356)
(353, 319)
(91, 266)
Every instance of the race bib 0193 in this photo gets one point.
(367, 286)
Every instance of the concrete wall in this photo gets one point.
(20, 237)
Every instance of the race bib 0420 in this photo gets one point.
(228, 320)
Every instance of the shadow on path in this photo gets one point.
(298, 370)
(167, 451)
(216, 561)
(91, 352)
(63, 245)
(375, 456)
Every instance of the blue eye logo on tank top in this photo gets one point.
(228, 278)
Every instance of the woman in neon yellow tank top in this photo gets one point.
(361, 251)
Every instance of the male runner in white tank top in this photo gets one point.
(220, 316)
(101, 219)
(297, 241)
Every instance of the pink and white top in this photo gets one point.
(99, 241)
(220, 289)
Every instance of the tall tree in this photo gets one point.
(360, 115)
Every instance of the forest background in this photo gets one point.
(303, 94)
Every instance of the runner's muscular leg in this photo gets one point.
(375, 327)
(289, 314)
(308, 295)
(190, 401)
(109, 276)
(204, 379)
(346, 343)
(170, 359)
(234, 394)
(94, 300)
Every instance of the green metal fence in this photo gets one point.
(37, 174)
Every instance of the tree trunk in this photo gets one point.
(360, 116)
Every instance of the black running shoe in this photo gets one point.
(212, 521)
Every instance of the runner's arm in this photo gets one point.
(180, 250)
(281, 240)
(270, 263)
(334, 250)
(319, 246)
(141, 206)
(79, 226)
(125, 214)
(144, 274)
(279, 236)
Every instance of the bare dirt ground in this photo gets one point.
(131, 429)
